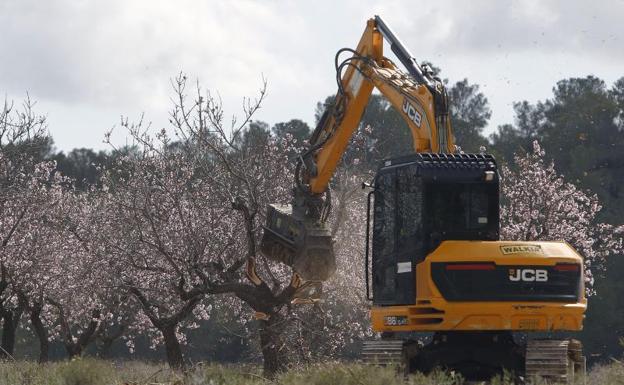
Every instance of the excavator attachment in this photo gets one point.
(304, 244)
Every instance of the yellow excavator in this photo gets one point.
(436, 263)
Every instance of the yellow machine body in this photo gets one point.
(432, 312)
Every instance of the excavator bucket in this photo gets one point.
(301, 243)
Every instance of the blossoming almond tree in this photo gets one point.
(28, 258)
(55, 271)
(26, 212)
(22, 134)
(159, 226)
(84, 298)
(186, 216)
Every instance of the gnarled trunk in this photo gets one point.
(271, 345)
(168, 325)
(41, 332)
(105, 340)
(172, 347)
(75, 345)
(75, 349)
(10, 322)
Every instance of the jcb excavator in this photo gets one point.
(436, 261)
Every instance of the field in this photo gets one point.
(98, 372)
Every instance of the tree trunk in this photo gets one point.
(76, 345)
(73, 350)
(172, 347)
(103, 348)
(106, 341)
(270, 343)
(9, 326)
(41, 332)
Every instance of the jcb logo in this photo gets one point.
(528, 275)
(412, 113)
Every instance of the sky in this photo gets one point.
(87, 63)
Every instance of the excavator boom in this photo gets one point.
(296, 234)
(417, 95)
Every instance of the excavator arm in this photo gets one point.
(297, 234)
(418, 96)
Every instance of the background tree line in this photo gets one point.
(151, 225)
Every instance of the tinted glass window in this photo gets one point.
(384, 256)
(385, 204)
(459, 207)
(410, 209)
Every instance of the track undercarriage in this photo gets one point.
(479, 356)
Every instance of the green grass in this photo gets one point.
(97, 372)
(612, 374)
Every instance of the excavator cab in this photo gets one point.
(438, 266)
(420, 201)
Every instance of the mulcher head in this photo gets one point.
(302, 243)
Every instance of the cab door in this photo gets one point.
(393, 271)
